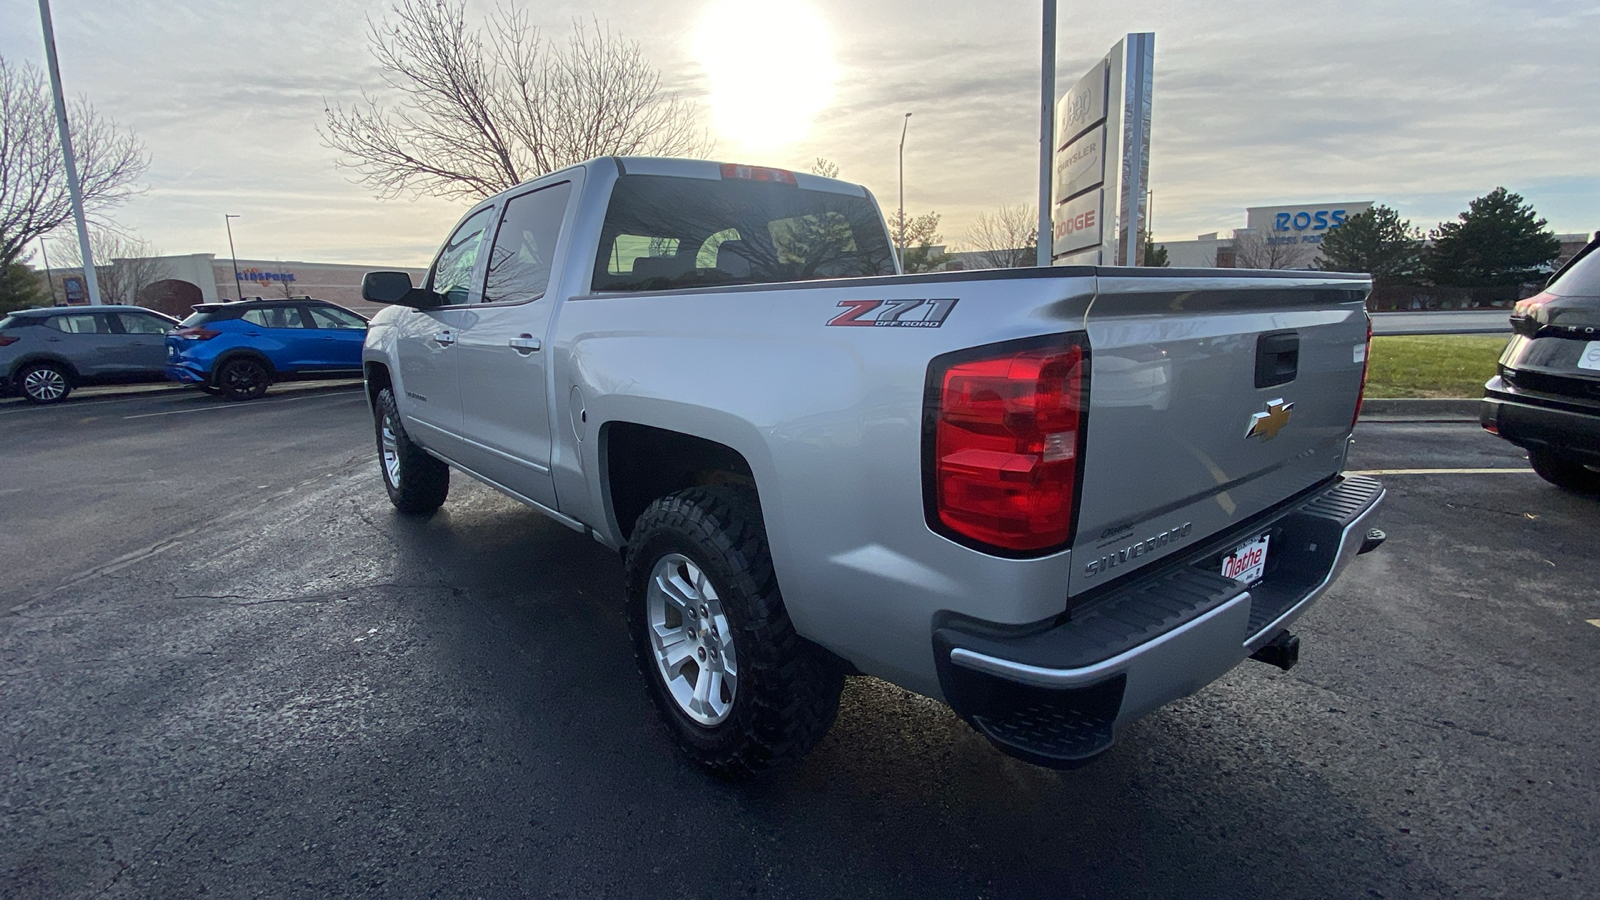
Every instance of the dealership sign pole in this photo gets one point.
(1047, 102)
(1102, 159)
(66, 153)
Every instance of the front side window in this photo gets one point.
(663, 233)
(328, 317)
(451, 275)
(525, 245)
(139, 323)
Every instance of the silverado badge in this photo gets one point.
(1266, 425)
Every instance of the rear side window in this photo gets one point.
(1582, 280)
(525, 245)
(662, 233)
(76, 324)
(206, 317)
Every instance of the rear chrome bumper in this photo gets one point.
(1055, 693)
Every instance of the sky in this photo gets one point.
(1421, 105)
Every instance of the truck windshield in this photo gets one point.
(663, 233)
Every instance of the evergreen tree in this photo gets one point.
(1155, 255)
(1499, 240)
(1376, 241)
(21, 287)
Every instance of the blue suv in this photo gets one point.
(237, 350)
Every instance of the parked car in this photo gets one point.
(1056, 498)
(238, 350)
(1546, 397)
(45, 353)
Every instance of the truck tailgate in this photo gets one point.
(1208, 407)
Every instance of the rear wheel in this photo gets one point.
(417, 483)
(738, 688)
(44, 383)
(243, 378)
(1564, 472)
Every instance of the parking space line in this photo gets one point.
(179, 412)
(1594, 622)
(1499, 471)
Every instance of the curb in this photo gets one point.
(1429, 409)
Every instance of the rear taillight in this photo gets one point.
(1366, 360)
(1006, 434)
(196, 334)
(1526, 306)
(7, 340)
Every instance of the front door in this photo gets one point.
(425, 344)
(504, 364)
(338, 335)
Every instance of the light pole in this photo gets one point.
(237, 288)
(73, 192)
(904, 124)
(1047, 143)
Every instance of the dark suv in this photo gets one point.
(1546, 397)
(238, 350)
(45, 353)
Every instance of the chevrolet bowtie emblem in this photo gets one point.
(1266, 425)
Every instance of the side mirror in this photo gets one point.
(395, 288)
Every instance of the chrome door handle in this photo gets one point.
(525, 344)
(445, 337)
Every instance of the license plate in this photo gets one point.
(1590, 358)
(1247, 562)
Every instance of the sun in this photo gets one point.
(771, 68)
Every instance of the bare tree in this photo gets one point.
(124, 264)
(1005, 238)
(924, 248)
(1255, 249)
(474, 111)
(825, 167)
(33, 176)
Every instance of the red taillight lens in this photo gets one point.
(7, 340)
(1366, 360)
(1006, 445)
(757, 173)
(196, 334)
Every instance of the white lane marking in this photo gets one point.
(1594, 622)
(1503, 471)
(179, 412)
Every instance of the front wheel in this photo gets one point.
(1565, 473)
(737, 687)
(417, 483)
(243, 378)
(44, 383)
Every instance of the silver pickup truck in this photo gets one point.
(1055, 498)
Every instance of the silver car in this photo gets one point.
(45, 353)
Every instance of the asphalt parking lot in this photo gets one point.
(227, 668)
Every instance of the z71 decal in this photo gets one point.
(894, 313)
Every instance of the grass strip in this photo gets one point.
(1434, 365)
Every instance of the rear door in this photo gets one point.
(87, 341)
(1207, 407)
(504, 366)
